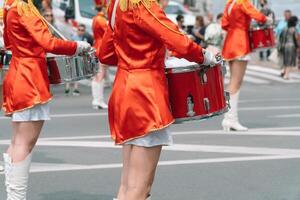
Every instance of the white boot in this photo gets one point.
(231, 121)
(102, 104)
(95, 94)
(16, 177)
(98, 97)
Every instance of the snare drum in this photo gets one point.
(63, 69)
(261, 38)
(196, 92)
(71, 68)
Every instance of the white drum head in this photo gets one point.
(173, 62)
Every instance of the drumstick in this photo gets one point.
(56, 31)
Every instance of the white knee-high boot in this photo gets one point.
(102, 103)
(16, 177)
(231, 121)
(98, 95)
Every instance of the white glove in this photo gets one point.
(269, 21)
(210, 59)
(82, 47)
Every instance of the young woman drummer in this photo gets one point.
(139, 115)
(236, 21)
(26, 87)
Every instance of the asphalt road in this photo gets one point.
(76, 160)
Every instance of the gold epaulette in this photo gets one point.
(237, 1)
(27, 9)
(129, 4)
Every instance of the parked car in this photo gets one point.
(70, 13)
(174, 8)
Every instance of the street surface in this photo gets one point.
(76, 160)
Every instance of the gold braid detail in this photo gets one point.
(129, 4)
(29, 8)
(165, 25)
(237, 1)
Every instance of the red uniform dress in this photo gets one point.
(26, 84)
(139, 102)
(99, 27)
(237, 24)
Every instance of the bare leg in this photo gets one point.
(76, 86)
(101, 75)
(25, 135)
(127, 149)
(17, 160)
(143, 163)
(287, 73)
(237, 72)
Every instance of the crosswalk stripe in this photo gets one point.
(255, 80)
(271, 77)
(271, 71)
(262, 75)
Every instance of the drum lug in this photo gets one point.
(224, 70)
(203, 77)
(206, 104)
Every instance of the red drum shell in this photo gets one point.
(53, 71)
(204, 87)
(262, 38)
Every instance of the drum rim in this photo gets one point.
(202, 117)
(191, 68)
(183, 69)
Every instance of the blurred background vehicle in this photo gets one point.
(174, 9)
(70, 13)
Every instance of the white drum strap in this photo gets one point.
(113, 16)
(231, 7)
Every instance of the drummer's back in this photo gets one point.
(136, 48)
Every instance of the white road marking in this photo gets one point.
(40, 168)
(251, 79)
(69, 115)
(177, 147)
(274, 131)
(105, 113)
(269, 100)
(269, 108)
(262, 75)
(270, 71)
(79, 115)
(77, 137)
(240, 133)
(286, 116)
(271, 77)
(232, 149)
